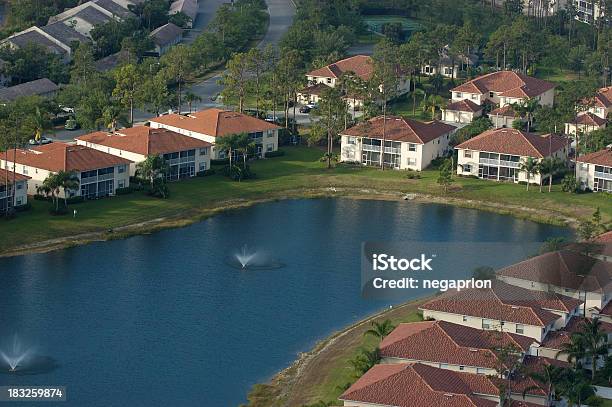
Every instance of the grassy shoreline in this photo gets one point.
(297, 174)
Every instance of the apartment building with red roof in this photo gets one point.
(565, 272)
(209, 124)
(12, 196)
(361, 66)
(504, 307)
(497, 154)
(451, 346)
(461, 111)
(500, 89)
(409, 144)
(585, 123)
(100, 174)
(594, 170)
(410, 385)
(184, 155)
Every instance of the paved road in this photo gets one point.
(281, 16)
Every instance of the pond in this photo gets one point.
(171, 319)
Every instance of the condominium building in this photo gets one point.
(505, 308)
(498, 154)
(451, 346)
(99, 174)
(594, 171)
(417, 384)
(408, 144)
(209, 124)
(184, 155)
(6, 190)
(552, 346)
(564, 272)
(362, 66)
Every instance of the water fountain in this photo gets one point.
(249, 259)
(244, 257)
(17, 355)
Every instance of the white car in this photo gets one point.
(43, 140)
(312, 105)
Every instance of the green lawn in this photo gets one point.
(298, 172)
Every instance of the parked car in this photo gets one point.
(43, 140)
(305, 109)
(312, 105)
(71, 124)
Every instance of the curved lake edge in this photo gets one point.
(200, 214)
(280, 388)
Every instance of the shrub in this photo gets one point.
(413, 175)
(237, 173)
(222, 161)
(39, 197)
(23, 208)
(124, 191)
(206, 173)
(60, 211)
(569, 184)
(75, 200)
(277, 153)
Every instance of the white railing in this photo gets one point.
(187, 160)
(368, 147)
(173, 161)
(503, 163)
(603, 175)
(393, 150)
(3, 195)
(89, 180)
(106, 177)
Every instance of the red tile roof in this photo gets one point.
(145, 140)
(507, 83)
(215, 122)
(504, 302)
(556, 339)
(406, 385)
(601, 157)
(516, 142)
(589, 119)
(464, 105)
(361, 65)
(67, 157)
(6, 177)
(604, 237)
(603, 97)
(444, 342)
(316, 89)
(565, 269)
(506, 111)
(400, 129)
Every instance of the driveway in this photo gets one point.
(206, 12)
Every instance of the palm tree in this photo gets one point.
(594, 341)
(228, 144)
(432, 103)
(192, 98)
(417, 92)
(153, 168)
(380, 329)
(551, 376)
(244, 144)
(41, 124)
(551, 167)
(365, 360)
(530, 167)
(525, 109)
(574, 350)
(68, 181)
(51, 187)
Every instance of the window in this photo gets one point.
(480, 370)
(19, 201)
(467, 153)
(487, 324)
(202, 167)
(204, 151)
(25, 170)
(474, 96)
(329, 80)
(520, 329)
(467, 168)
(19, 185)
(411, 147)
(121, 183)
(458, 95)
(465, 318)
(269, 147)
(491, 94)
(461, 367)
(351, 140)
(411, 161)
(443, 365)
(121, 169)
(270, 133)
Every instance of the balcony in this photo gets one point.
(91, 180)
(500, 163)
(603, 175)
(388, 150)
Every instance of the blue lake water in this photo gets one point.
(164, 320)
